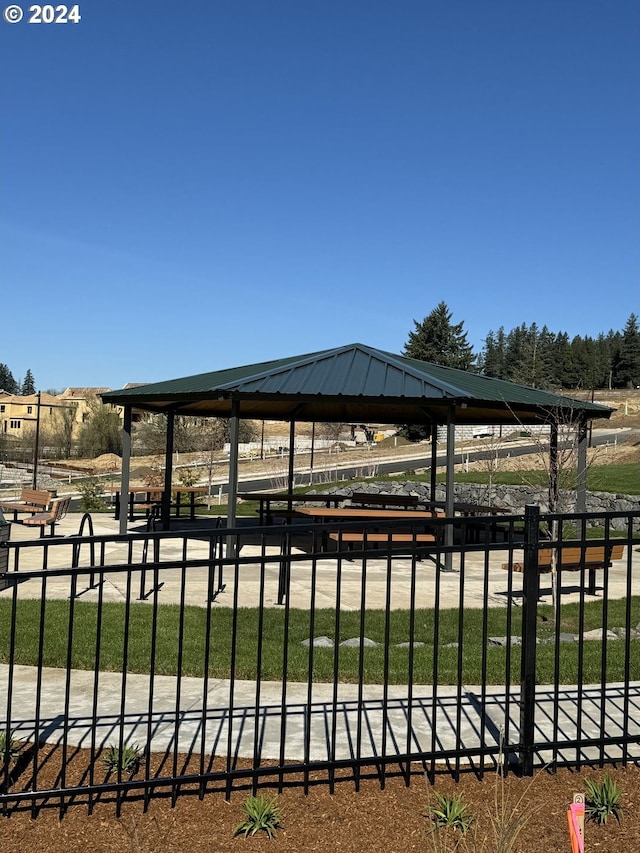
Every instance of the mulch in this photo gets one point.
(373, 818)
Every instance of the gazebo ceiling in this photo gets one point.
(354, 383)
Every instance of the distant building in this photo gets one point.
(19, 414)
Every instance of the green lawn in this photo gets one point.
(375, 625)
(621, 479)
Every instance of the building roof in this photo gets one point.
(83, 393)
(354, 383)
(32, 399)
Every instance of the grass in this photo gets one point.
(374, 663)
(617, 478)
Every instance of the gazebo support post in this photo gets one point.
(553, 467)
(313, 442)
(125, 474)
(449, 494)
(165, 510)
(234, 432)
(434, 458)
(581, 481)
(292, 445)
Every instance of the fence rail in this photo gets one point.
(225, 655)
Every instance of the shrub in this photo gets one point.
(603, 800)
(10, 746)
(128, 759)
(90, 495)
(450, 811)
(262, 813)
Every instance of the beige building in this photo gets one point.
(19, 414)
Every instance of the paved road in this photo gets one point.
(399, 464)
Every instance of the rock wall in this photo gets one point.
(511, 498)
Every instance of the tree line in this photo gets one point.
(530, 355)
(527, 354)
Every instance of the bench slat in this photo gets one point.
(574, 558)
(361, 536)
(30, 500)
(56, 512)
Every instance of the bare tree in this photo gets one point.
(557, 456)
(190, 434)
(60, 433)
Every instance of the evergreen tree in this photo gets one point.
(28, 385)
(7, 382)
(605, 361)
(493, 357)
(437, 340)
(547, 369)
(517, 355)
(561, 354)
(627, 366)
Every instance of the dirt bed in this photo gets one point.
(392, 820)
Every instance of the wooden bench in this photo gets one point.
(30, 501)
(382, 500)
(572, 557)
(151, 503)
(55, 513)
(283, 513)
(401, 541)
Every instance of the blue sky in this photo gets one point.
(195, 185)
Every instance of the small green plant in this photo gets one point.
(90, 495)
(603, 800)
(450, 811)
(10, 746)
(262, 814)
(188, 476)
(128, 759)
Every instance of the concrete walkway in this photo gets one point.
(300, 724)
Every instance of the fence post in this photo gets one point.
(530, 595)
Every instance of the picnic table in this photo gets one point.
(151, 500)
(473, 530)
(265, 499)
(406, 537)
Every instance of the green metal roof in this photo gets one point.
(354, 383)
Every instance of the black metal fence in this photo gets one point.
(219, 655)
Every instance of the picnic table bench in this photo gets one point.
(265, 499)
(30, 501)
(378, 499)
(376, 534)
(148, 500)
(400, 540)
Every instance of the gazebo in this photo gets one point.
(352, 383)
